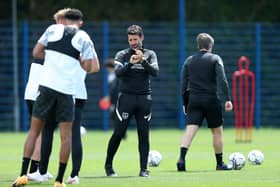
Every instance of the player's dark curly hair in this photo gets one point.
(74, 14)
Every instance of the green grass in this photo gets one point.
(200, 160)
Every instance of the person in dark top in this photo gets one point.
(133, 68)
(113, 85)
(201, 74)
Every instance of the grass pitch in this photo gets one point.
(200, 161)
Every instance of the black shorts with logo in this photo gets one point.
(208, 107)
(49, 100)
(138, 105)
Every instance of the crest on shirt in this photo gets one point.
(125, 115)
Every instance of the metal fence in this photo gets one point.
(259, 42)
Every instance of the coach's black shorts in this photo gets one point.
(50, 100)
(138, 105)
(208, 107)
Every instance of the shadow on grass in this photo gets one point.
(41, 184)
(189, 171)
(30, 183)
(103, 177)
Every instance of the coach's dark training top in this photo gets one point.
(135, 78)
(201, 74)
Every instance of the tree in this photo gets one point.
(150, 10)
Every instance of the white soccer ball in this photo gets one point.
(255, 157)
(236, 161)
(154, 158)
(83, 130)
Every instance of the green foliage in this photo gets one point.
(147, 10)
(200, 161)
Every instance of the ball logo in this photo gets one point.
(125, 115)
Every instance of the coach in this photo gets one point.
(201, 74)
(133, 67)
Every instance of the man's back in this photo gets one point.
(202, 72)
(200, 75)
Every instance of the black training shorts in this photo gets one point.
(62, 105)
(208, 107)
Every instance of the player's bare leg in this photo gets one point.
(36, 156)
(185, 144)
(34, 132)
(65, 148)
(189, 135)
(35, 129)
(36, 153)
(34, 173)
(218, 143)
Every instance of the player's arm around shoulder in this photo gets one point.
(90, 65)
(89, 60)
(53, 32)
(39, 48)
(39, 51)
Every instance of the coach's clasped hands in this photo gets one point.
(137, 58)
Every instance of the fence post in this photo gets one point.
(25, 62)
(182, 56)
(15, 66)
(258, 76)
(105, 56)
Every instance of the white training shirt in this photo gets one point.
(32, 86)
(31, 89)
(80, 90)
(60, 71)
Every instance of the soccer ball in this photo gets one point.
(154, 158)
(83, 131)
(255, 157)
(236, 161)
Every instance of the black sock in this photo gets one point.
(34, 166)
(24, 166)
(61, 170)
(219, 158)
(183, 152)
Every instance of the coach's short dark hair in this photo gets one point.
(204, 41)
(135, 30)
(74, 14)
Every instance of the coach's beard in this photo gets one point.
(138, 46)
